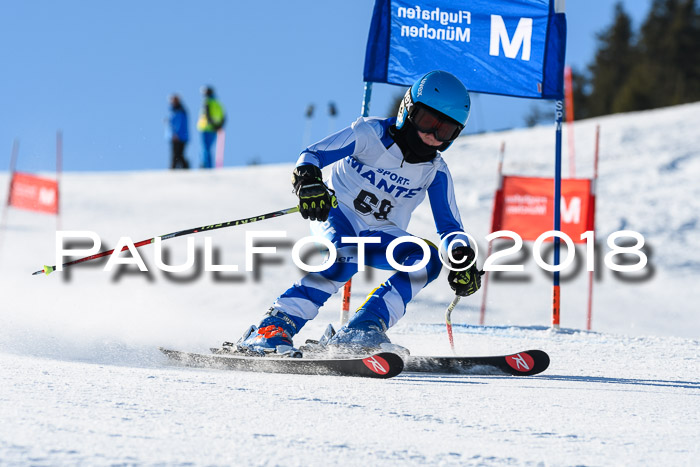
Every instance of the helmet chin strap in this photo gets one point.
(412, 146)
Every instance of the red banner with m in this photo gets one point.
(33, 193)
(525, 205)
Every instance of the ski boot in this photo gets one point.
(272, 336)
(364, 334)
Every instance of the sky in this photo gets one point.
(101, 73)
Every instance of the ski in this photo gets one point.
(379, 365)
(526, 363)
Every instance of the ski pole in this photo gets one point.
(49, 269)
(448, 320)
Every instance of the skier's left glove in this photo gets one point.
(315, 198)
(466, 282)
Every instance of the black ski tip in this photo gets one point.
(530, 362)
(527, 363)
(383, 365)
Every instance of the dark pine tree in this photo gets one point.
(612, 64)
(667, 69)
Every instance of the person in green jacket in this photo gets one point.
(211, 119)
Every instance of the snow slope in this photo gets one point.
(82, 381)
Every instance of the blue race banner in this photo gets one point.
(508, 47)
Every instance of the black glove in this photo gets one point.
(315, 199)
(466, 282)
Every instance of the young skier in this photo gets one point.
(381, 170)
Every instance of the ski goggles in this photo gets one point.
(427, 120)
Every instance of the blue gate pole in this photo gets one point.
(366, 97)
(556, 295)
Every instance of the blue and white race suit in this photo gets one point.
(377, 192)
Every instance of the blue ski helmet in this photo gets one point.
(441, 91)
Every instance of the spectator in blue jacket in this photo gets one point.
(178, 133)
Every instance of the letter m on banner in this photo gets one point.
(522, 39)
(33, 193)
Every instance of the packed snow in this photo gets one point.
(82, 380)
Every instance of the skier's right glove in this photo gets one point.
(466, 282)
(315, 198)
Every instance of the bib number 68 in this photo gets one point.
(367, 203)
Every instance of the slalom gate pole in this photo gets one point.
(345, 312)
(594, 189)
(6, 207)
(569, 99)
(207, 228)
(448, 321)
(556, 291)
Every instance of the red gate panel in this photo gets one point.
(33, 193)
(525, 205)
